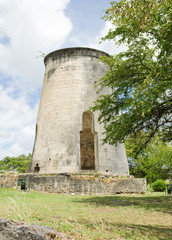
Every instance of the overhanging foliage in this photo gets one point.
(140, 77)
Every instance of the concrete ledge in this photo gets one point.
(77, 51)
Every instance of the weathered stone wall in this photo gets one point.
(68, 92)
(8, 181)
(78, 183)
(87, 184)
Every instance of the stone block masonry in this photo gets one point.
(68, 137)
(8, 181)
(78, 183)
(86, 184)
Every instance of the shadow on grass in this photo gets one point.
(133, 231)
(157, 203)
(149, 231)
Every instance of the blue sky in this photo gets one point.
(86, 18)
(28, 27)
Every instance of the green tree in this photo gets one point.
(153, 163)
(19, 164)
(140, 77)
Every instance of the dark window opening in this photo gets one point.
(37, 168)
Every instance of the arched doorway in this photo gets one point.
(87, 143)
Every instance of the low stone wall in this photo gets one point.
(85, 184)
(8, 181)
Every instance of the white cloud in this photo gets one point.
(31, 26)
(26, 27)
(17, 124)
(107, 46)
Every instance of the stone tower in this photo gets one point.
(68, 137)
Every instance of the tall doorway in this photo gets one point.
(87, 142)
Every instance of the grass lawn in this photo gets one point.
(93, 217)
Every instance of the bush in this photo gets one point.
(159, 185)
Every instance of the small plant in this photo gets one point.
(149, 188)
(159, 185)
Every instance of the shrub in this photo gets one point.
(159, 185)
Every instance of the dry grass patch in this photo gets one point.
(147, 217)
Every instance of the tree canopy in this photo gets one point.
(154, 163)
(140, 77)
(20, 164)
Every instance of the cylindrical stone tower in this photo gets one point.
(68, 136)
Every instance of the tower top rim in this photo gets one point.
(75, 51)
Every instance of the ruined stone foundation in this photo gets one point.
(93, 184)
(68, 136)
